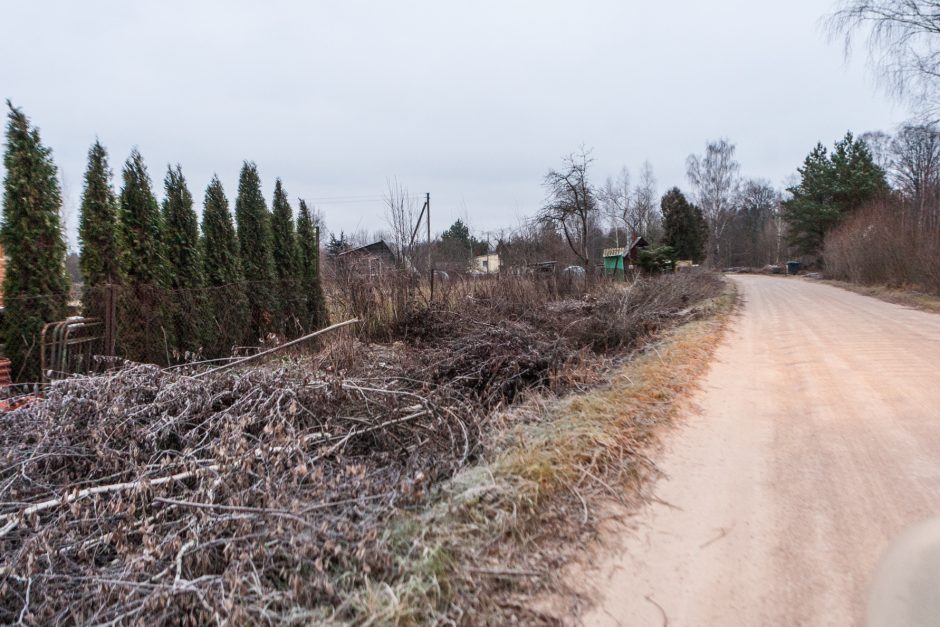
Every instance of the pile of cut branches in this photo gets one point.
(150, 495)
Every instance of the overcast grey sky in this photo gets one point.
(469, 101)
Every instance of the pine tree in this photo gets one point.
(223, 273)
(184, 265)
(35, 286)
(684, 226)
(308, 240)
(284, 239)
(830, 187)
(337, 245)
(254, 239)
(143, 334)
(100, 258)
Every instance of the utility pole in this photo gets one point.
(427, 204)
(426, 215)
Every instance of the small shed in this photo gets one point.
(372, 259)
(618, 260)
(485, 264)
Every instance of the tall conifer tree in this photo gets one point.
(143, 334)
(181, 233)
(184, 264)
(254, 239)
(684, 226)
(100, 251)
(223, 273)
(35, 286)
(284, 239)
(308, 247)
(144, 260)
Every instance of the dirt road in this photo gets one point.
(818, 441)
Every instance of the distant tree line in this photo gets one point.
(184, 289)
(724, 220)
(886, 228)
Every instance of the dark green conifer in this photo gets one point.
(184, 265)
(337, 245)
(684, 226)
(831, 186)
(223, 274)
(308, 246)
(100, 256)
(143, 334)
(143, 260)
(254, 240)
(100, 253)
(284, 240)
(35, 287)
(181, 233)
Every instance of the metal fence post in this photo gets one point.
(110, 320)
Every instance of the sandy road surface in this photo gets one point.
(818, 441)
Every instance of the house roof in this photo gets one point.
(638, 241)
(376, 248)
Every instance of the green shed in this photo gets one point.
(618, 260)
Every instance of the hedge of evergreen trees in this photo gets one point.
(35, 285)
(183, 289)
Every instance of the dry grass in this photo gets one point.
(430, 479)
(500, 531)
(908, 297)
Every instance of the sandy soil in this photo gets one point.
(818, 441)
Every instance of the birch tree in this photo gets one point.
(714, 177)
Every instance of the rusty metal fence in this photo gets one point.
(76, 344)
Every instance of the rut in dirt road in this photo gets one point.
(817, 442)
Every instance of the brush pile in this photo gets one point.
(145, 494)
(264, 494)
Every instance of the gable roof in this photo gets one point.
(638, 242)
(375, 248)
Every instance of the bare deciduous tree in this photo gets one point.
(714, 176)
(570, 203)
(903, 38)
(645, 202)
(915, 168)
(616, 201)
(634, 209)
(401, 214)
(754, 238)
(879, 145)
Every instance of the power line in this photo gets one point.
(352, 199)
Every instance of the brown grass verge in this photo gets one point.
(500, 532)
(908, 297)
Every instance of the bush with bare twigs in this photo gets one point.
(271, 493)
(886, 243)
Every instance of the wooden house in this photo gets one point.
(372, 259)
